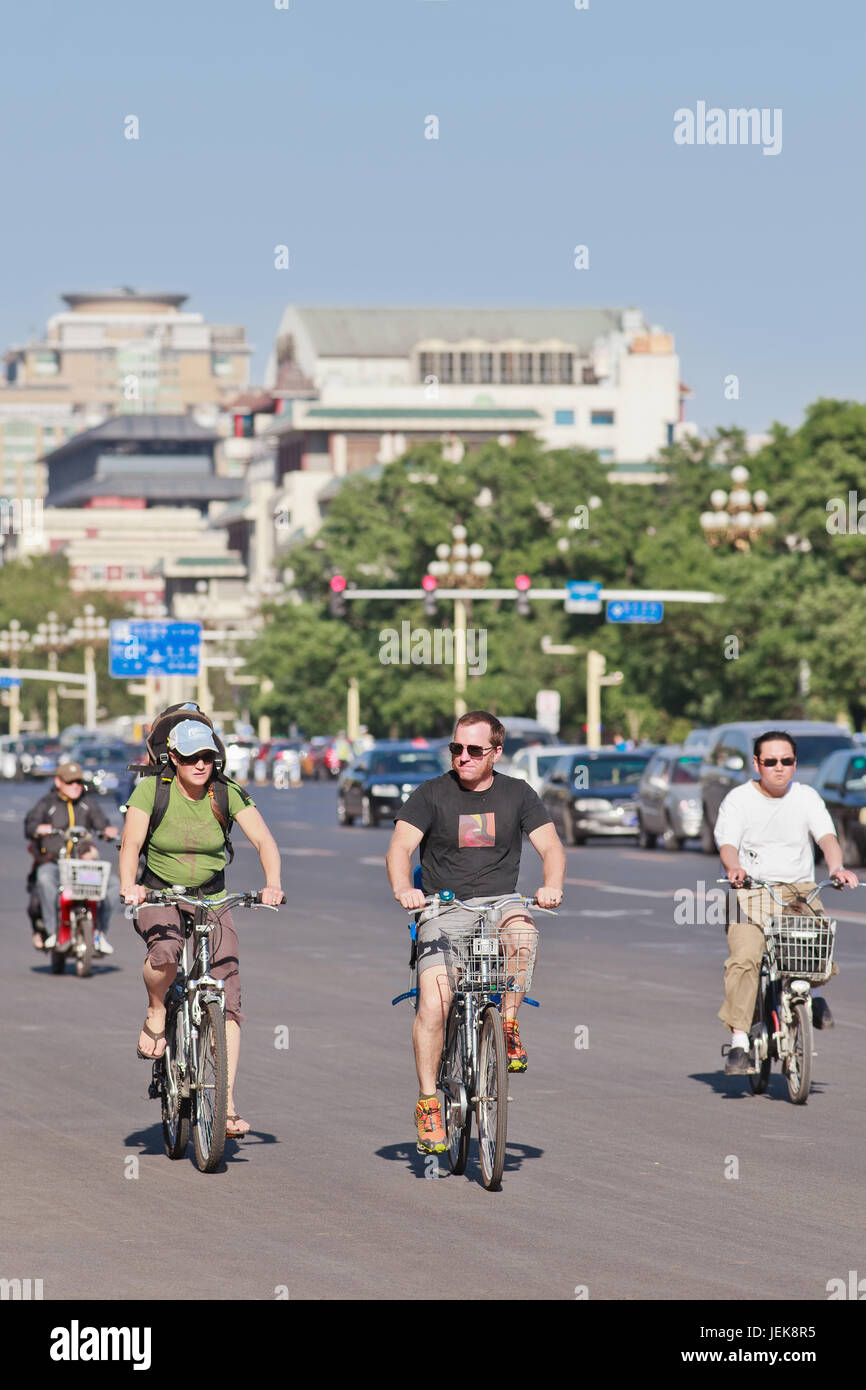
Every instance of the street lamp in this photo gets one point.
(733, 518)
(12, 640)
(89, 628)
(52, 637)
(462, 566)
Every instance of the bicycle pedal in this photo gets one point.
(153, 1091)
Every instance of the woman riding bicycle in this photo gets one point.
(188, 847)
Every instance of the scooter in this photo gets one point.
(83, 886)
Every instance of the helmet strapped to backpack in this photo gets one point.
(157, 740)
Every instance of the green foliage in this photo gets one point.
(705, 663)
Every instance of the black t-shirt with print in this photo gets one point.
(472, 840)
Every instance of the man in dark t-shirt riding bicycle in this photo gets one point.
(470, 825)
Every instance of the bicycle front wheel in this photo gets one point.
(454, 1076)
(84, 962)
(211, 1089)
(492, 1099)
(799, 1065)
(175, 1104)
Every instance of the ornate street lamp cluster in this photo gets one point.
(740, 518)
(459, 563)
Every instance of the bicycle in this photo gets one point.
(482, 966)
(798, 953)
(191, 1077)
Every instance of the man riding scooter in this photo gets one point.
(67, 804)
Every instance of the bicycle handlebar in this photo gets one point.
(749, 882)
(447, 899)
(167, 897)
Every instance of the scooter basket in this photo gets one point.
(84, 878)
(802, 946)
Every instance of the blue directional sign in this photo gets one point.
(634, 610)
(7, 681)
(583, 596)
(153, 649)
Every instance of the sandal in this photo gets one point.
(151, 1056)
(232, 1132)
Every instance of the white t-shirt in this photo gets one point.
(771, 833)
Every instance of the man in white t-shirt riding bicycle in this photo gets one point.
(763, 831)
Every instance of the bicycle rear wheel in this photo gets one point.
(211, 1089)
(453, 1076)
(492, 1102)
(798, 1067)
(175, 1092)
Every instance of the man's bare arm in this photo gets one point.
(548, 844)
(398, 862)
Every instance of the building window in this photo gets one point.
(446, 366)
(132, 571)
(601, 417)
(506, 368)
(525, 368)
(566, 367)
(589, 377)
(605, 455)
(486, 365)
(546, 368)
(220, 364)
(425, 364)
(563, 417)
(467, 368)
(97, 572)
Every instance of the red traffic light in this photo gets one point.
(338, 583)
(523, 582)
(429, 582)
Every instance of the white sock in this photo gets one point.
(739, 1039)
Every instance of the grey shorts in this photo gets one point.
(436, 923)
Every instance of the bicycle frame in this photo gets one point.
(191, 989)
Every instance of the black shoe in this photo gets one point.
(821, 1015)
(738, 1062)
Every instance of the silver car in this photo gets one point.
(534, 764)
(669, 798)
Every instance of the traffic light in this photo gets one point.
(523, 584)
(428, 584)
(336, 602)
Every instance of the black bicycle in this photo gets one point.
(191, 1076)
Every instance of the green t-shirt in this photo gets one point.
(187, 846)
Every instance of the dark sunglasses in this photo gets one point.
(771, 762)
(206, 756)
(474, 750)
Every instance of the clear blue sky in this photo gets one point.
(306, 126)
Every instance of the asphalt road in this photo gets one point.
(619, 1179)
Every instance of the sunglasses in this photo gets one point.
(771, 762)
(473, 750)
(203, 757)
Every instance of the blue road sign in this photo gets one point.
(584, 596)
(153, 649)
(634, 610)
(7, 681)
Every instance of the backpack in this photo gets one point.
(160, 766)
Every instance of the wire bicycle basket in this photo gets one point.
(490, 959)
(802, 946)
(84, 878)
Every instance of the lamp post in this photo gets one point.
(741, 518)
(52, 637)
(89, 628)
(463, 567)
(12, 640)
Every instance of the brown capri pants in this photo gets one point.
(163, 934)
(746, 947)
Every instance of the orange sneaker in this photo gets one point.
(431, 1130)
(515, 1050)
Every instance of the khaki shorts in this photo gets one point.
(162, 932)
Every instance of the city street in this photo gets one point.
(635, 1169)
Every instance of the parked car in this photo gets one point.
(240, 752)
(669, 798)
(728, 760)
(376, 783)
(104, 763)
(533, 764)
(594, 792)
(841, 781)
(269, 752)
